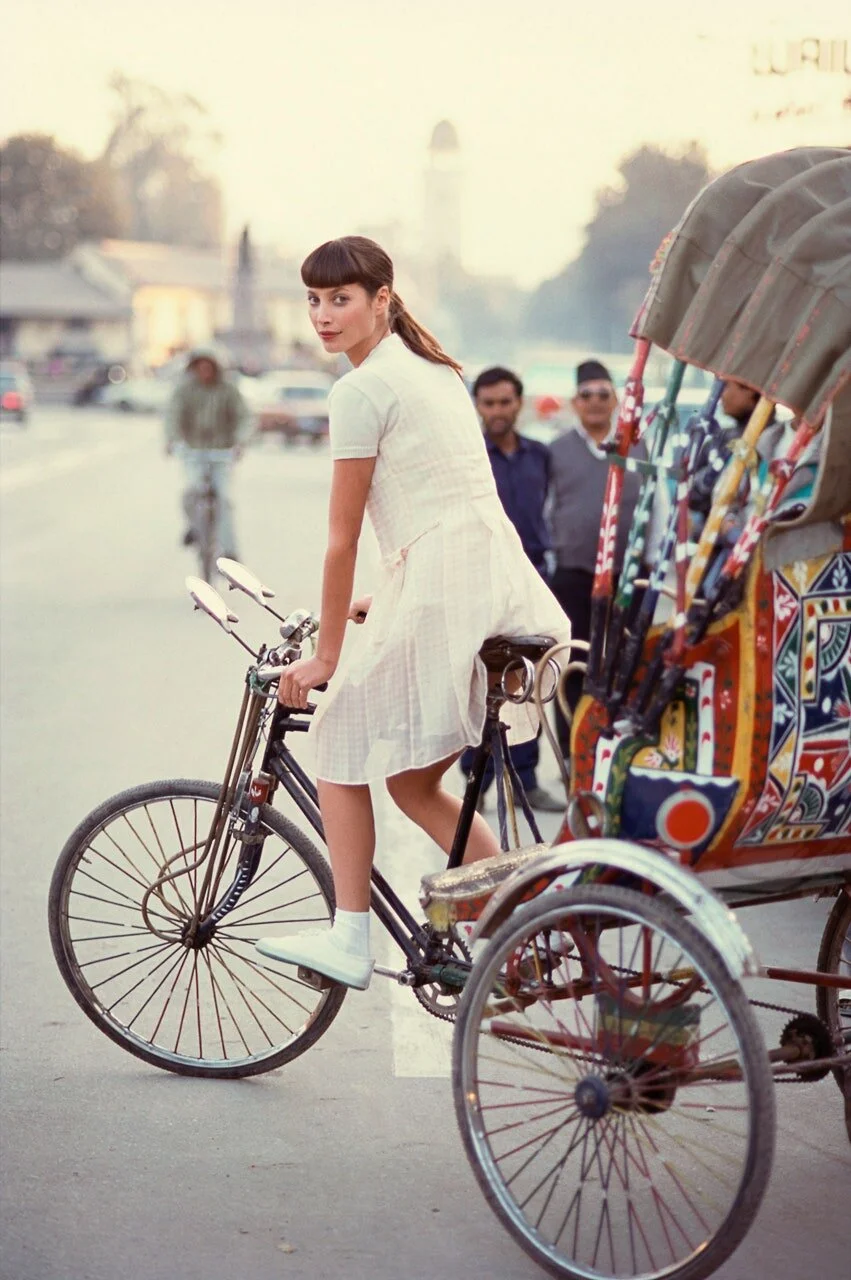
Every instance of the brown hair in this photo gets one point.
(357, 260)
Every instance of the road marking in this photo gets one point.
(24, 474)
(422, 1044)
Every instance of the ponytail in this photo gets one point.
(415, 337)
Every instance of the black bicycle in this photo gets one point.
(159, 895)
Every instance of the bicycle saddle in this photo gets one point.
(498, 651)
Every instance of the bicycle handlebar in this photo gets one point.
(270, 671)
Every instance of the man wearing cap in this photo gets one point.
(521, 469)
(207, 423)
(579, 470)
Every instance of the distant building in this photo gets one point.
(51, 311)
(140, 303)
(442, 196)
(181, 297)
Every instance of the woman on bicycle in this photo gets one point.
(407, 449)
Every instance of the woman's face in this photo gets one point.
(347, 320)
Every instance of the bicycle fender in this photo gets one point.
(562, 866)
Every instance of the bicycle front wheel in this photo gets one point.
(612, 1088)
(206, 534)
(215, 1009)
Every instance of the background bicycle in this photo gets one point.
(208, 505)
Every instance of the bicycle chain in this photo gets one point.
(450, 1015)
(784, 1008)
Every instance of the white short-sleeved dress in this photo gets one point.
(453, 573)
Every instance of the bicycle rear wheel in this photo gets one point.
(832, 1005)
(612, 1089)
(218, 1009)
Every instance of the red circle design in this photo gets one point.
(685, 819)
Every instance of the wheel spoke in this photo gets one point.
(161, 866)
(271, 980)
(121, 901)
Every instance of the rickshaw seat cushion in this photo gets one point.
(461, 893)
(498, 651)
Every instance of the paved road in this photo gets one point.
(346, 1163)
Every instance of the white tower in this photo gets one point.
(442, 231)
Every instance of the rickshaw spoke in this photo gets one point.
(559, 1163)
(545, 1138)
(604, 1214)
(634, 1222)
(527, 1120)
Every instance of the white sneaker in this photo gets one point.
(318, 950)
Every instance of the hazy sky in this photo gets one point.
(327, 106)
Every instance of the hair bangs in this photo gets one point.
(330, 265)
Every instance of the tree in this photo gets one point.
(595, 298)
(52, 198)
(158, 150)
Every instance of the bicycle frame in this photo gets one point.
(409, 934)
(244, 792)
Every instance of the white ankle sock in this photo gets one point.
(351, 930)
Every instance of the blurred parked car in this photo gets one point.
(87, 388)
(16, 391)
(292, 402)
(136, 395)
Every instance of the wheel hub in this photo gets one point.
(592, 1097)
(201, 937)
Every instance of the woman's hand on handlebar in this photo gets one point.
(359, 610)
(300, 677)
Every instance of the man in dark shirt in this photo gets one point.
(521, 468)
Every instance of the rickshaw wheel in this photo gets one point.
(618, 1108)
(833, 1006)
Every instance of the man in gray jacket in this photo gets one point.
(207, 423)
(579, 468)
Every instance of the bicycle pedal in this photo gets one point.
(313, 979)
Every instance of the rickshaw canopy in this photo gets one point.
(754, 283)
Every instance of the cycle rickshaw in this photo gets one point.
(613, 1088)
(612, 1085)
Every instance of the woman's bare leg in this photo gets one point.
(420, 796)
(350, 836)
(342, 952)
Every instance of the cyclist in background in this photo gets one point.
(207, 424)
